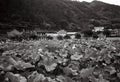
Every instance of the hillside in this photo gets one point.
(57, 14)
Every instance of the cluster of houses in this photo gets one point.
(44, 33)
(114, 32)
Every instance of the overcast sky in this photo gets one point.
(117, 2)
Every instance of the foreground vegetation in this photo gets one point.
(60, 61)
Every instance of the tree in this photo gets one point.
(95, 36)
(106, 32)
(63, 24)
(88, 33)
(77, 36)
(99, 32)
(59, 37)
(34, 37)
(49, 37)
(67, 37)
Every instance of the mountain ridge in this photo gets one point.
(58, 14)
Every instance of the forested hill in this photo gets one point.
(58, 14)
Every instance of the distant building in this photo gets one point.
(44, 33)
(96, 29)
(101, 36)
(114, 32)
(71, 33)
(52, 34)
(62, 32)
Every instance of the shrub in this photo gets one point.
(34, 37)
(77, 36)
(49, 37)
(88, 33)
(16, 38)
(106, 32)
(67, 37)
(60, 37)
(95, 36)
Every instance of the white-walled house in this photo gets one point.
(52, 34)
(62, 32)
(96, 29)
(71, 33)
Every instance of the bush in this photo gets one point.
(95, 36)
(34, 37)
(60, 37)
(49, 37)
(67, 37)
(106, 32)
(77, 36)
(16, 38)
(88, 33)
(99, 32)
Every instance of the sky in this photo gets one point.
(116, 2)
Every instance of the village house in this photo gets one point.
(114, 32)
(96, 29)
(62, 32)
(44, 33)
(71, 33)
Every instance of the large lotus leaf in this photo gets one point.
(74, 65)
(50, 67)
(118, 75)
(39, 78)
(64, 79)
(118, 54)
(9, 53)
(15, 77)
(76, 56)
(91, 52)
(110, 69)
(63, 54)
(86, 72)
(67, 70)
(36, 77)
(17, 63)
(49, 63)
(6, 67)
(22, 65)
(32, 76)
(101, 79)
(7, 63)
(50, 80)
